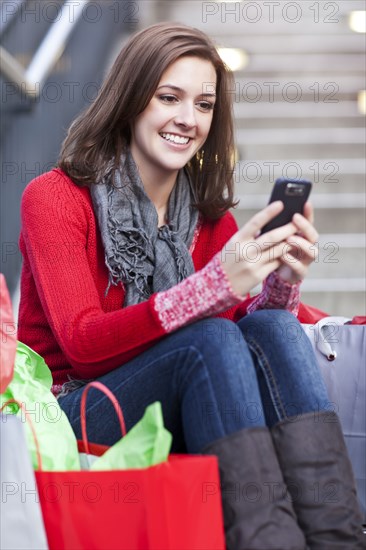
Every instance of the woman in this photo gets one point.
(135, 273)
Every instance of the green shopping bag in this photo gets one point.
(31, 386)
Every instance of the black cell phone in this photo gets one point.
(293, 194)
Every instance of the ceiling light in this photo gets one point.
(361, 101)
(357, 21)
(234, 58)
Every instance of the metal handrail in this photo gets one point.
(12, 69)
(50, 50)
(8, 17)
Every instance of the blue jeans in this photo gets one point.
(213, 377)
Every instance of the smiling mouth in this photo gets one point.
(173, 138)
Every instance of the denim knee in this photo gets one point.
(214, 333)
(285, 358)
(220, 346)
(274, 326)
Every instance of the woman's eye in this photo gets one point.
(205, 105)
(167, 98)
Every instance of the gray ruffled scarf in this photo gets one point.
(145, 258)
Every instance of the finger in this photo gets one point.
(306, 228)
(297, 267)
(259, 220)
(273, 253)
(256, 258)
(277, 235)
(269, 268)
(303, 249)
(309, 212)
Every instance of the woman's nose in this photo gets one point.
(186, 115)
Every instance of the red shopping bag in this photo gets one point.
(310, 314)
(173, 505)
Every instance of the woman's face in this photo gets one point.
(176, 122)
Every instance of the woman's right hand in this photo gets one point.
(248, 257)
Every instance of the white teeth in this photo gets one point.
(175, 139)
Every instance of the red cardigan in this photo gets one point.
(64, 314)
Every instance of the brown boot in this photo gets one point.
(318, 473)
(258, 513)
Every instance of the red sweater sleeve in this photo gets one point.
(55, 226)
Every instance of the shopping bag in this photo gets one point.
(21, 517)
(340, 350)
(172, 505)
(8, 336)
(310, 314)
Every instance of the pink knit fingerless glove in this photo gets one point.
(277, 294)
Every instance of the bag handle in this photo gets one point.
(324, 338)
(112, 398)
(30, 422)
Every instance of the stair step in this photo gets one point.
(346, 284)
(284, 136)
(283, 43)
(326, 220)
(319, 200)
(300, 109)
(323, 152)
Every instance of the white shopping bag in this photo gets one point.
(341, 353)
(21, 516)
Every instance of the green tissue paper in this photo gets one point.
(146, 444)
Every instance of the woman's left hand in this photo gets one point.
(301, 250)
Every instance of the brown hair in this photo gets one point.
(102, 131)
